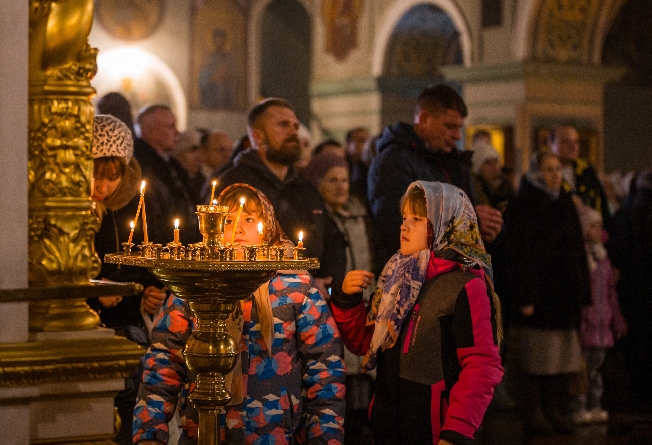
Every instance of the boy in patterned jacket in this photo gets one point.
(291, 357)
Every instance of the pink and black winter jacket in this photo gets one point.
(439, 378)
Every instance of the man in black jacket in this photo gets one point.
(579, 177)
(166, 196)
(425, 150)
(268, 165)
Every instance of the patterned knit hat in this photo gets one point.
(111, 137)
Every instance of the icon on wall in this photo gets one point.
(218, 56)
(341, 22)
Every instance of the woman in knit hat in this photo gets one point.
(347, 230)
(113, 164)
(116, 189)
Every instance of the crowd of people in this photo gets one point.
(444, 286)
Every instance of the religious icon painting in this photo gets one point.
(218, 63)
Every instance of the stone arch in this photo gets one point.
(394, 14)
(609, 12)
(527, 35)
(524, 19)
(151, 78)
(574, 34)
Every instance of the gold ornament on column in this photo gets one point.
(61, 225)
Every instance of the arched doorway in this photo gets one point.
(142, 78)
(422, 40)
(286, 51)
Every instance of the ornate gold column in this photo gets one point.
(61, 226)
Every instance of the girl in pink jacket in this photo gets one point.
(602, 322)
(432, 327)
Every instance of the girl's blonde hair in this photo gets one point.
(414, 201)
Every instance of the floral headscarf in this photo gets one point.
(456, 233)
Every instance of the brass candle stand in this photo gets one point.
(208, 276)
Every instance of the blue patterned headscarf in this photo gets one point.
(455, 230)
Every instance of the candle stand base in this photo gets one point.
(212, 289)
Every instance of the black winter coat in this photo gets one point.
(166, 197)
(546, 259)
(114, 230)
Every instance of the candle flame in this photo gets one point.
(176, 223)
(214, 183)
(132, 225)
(142, 187)
(215, 202)
(301, 236)
(242, 201)
(260, 228)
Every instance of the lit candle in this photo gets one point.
(145, 237)
(176, 231)
(131, 234)
(140, 202)
(235, 224)
(213, 191)
(261, 237)
(300, 245)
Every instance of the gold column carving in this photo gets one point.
(61, 225)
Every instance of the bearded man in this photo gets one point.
(268, 165)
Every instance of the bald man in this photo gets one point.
(166, 195)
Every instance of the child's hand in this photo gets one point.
(153, 299)
(356, 281)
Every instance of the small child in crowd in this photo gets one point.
(291, 381)
(602, 322)
(433, 326)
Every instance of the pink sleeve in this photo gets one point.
(481, 366)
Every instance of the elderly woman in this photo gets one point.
(346, 228)
(347, 247)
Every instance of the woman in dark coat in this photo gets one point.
(550, 284)
(115, 194)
